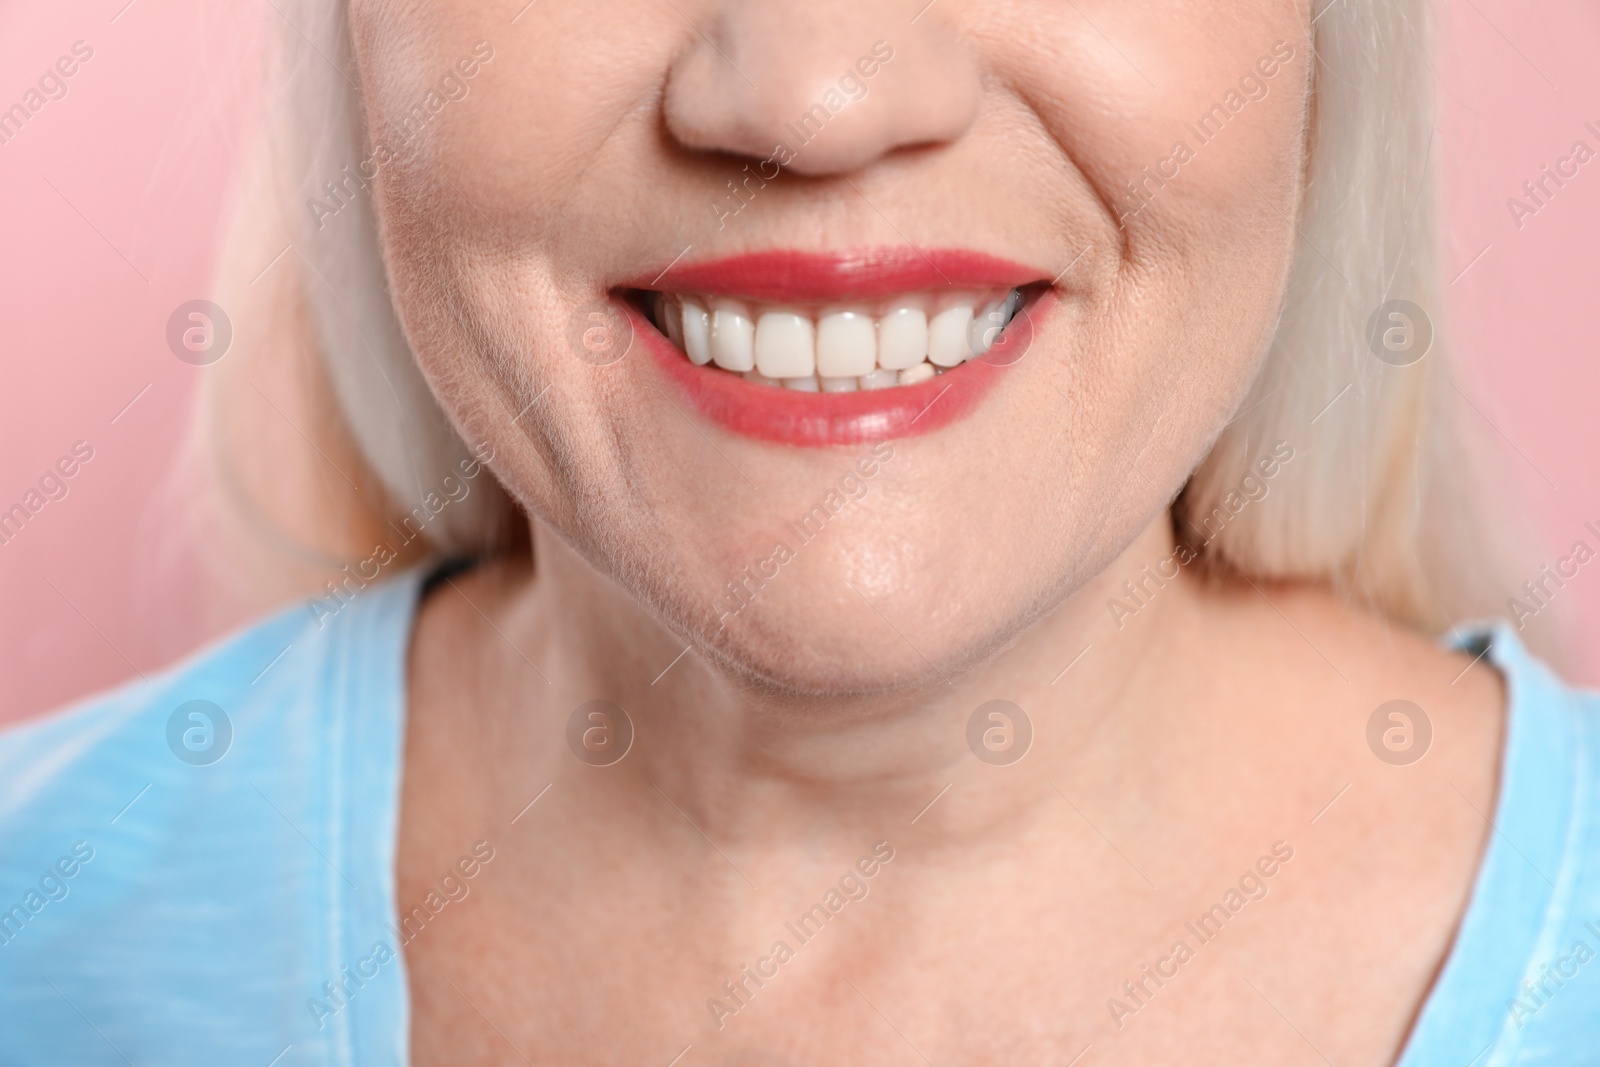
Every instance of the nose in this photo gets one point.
(833, 84)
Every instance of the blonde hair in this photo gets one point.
(1376, 509)
(1380, 508)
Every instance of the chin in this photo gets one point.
(859, 618)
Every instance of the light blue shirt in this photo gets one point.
(183, 886)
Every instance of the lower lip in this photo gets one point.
(817, 420)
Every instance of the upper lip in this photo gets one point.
(796, 277)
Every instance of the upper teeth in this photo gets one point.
(835, 349)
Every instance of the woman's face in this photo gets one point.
(822, 190)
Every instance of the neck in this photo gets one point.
(744, 762)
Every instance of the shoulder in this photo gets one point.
(1479, 683)
(1335, 647)
(160, 727)
(171, 851)
(77, 756)
(1400, 736)
(1304, 647)
(1466, 765)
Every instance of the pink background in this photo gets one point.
(112, 203)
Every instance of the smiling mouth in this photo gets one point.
(820, 349)
(900, 340)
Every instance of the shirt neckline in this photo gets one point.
(1527, 882)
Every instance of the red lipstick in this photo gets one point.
(788, 277)
(795, 279)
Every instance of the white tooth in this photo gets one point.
(984, 330)
(947, 336)
(760, 379)
(838, 385)
(733, 336)
(920, 373)
(672, 316)
(847, 345)
(879, 379)
(808, 384)
(786, 345)
(696, 333)
(903, 338)
(1013, 304)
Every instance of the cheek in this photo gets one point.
(1200, 209)
(545, 143)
